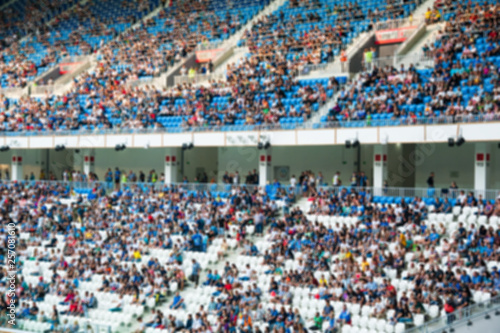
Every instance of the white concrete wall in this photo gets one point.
(32, 161)
(494, 166)
(137, 159)
(198, 160)
(474, 132)
(448, 163)
(325, 159)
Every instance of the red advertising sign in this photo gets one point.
(68, 67)
(390, 36)
(207, 55)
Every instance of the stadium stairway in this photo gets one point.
(6, 4)
(65, 83)
(238, 53)
(357, 43)
(323, 110)
(231, 41)
(432, 31)
(420, 11)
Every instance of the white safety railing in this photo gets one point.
(198, 78)
(395, 121)
(76, 58)
(418, 60)
(47, 89)
(398, 23)
(140, 81)
(13, 92)
(396, 193)
(460, 318)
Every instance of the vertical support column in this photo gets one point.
(171, 165)
(89, 161)
(379, 168)
(17, 167)
(265, 166)
(481, 167)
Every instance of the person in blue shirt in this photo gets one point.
(464, 278)
(210, 278)
(476, 279)
(189, 322)
(178, 302)
(254, 250)
(327, 311)
(496, 281)
(272, 316)
(195, 274)
(256, 291)
(331, 325)
(434, 236)
(118, 174)
(197, 242)
(446, 206)
(437, 204)
(345, 316)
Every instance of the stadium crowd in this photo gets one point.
(70, 238)
(102, 100)
(346, 258)
(389, 262)
(462, 86)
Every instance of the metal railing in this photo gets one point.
(85, 327)
(459, 317)
(398, 23)
(307, 69)
(394, 192)
(140, 81)
(482, 33)
(441, 120)
(13, 92)
(412, 192)
(181, 79)
(75, 58)
(203, 46)
(47, 88)
(417, 59)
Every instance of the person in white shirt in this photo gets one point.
(245, 273)
(336, 179)
(236, 178)
(462, 198)
(197, 322)
(293, 181)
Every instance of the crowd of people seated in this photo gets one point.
(258, 90)
(101, 100)
(343, 259)
(391, 265)
(17, 20)
(69, 240)
(139, 52)
(409, 95)
(80, 29)
(463, 84)
(313, 32)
